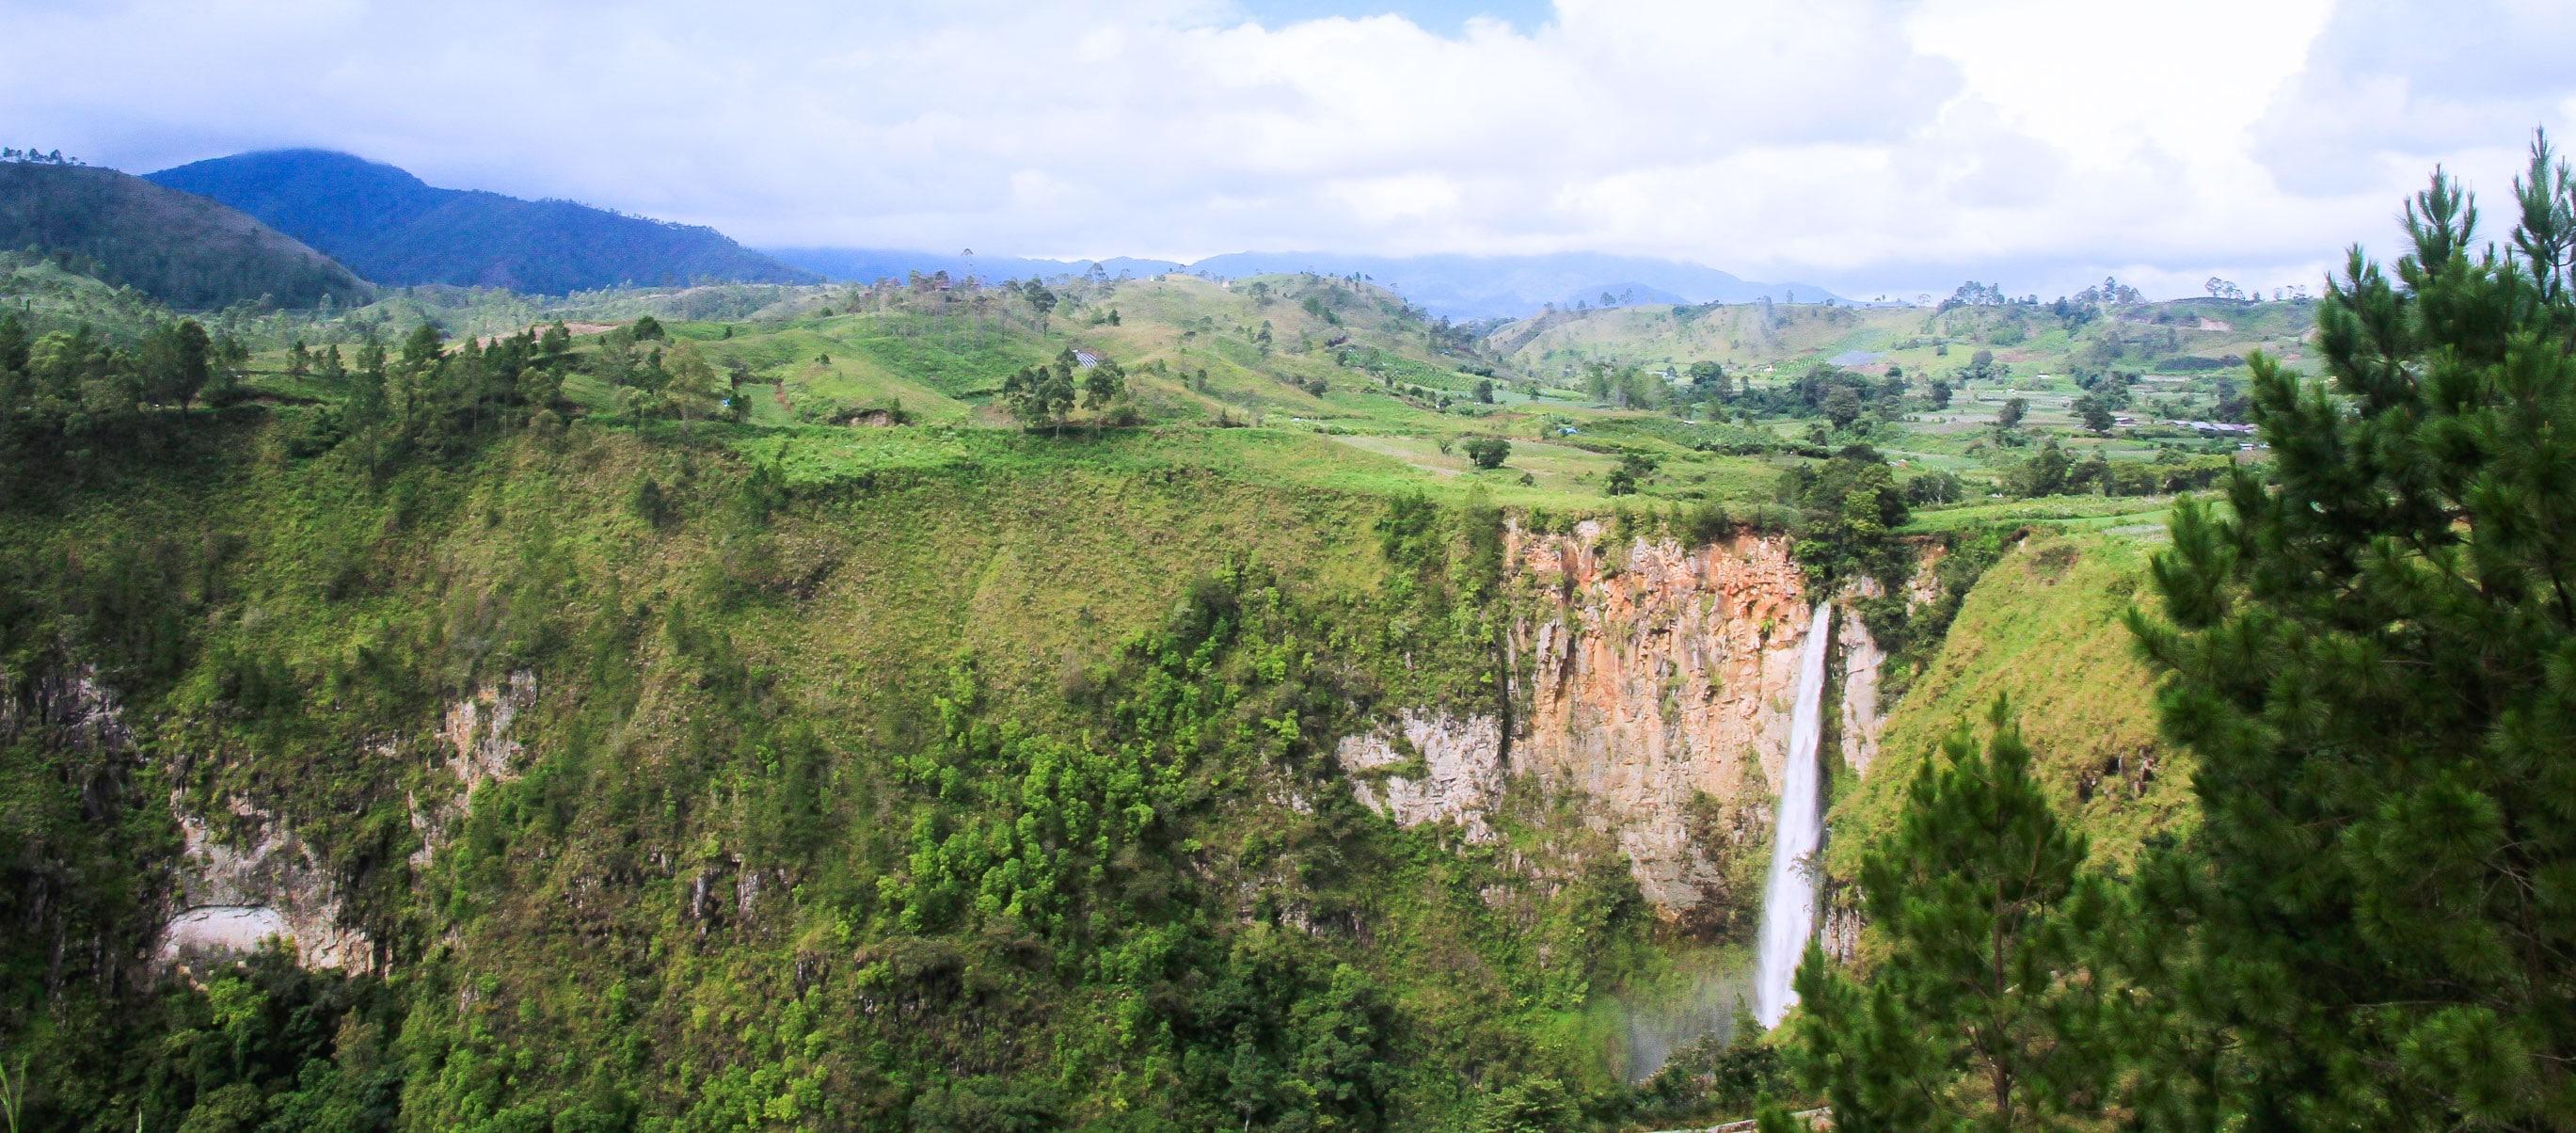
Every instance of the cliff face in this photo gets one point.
(478, 742)
(232, 894)
(1657, 680)
(1653, 679)
(234, 891)
(1857, 677)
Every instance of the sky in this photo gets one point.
(1889, 147)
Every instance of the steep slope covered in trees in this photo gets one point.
(184, 250)
(396, 229)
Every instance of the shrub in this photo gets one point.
(1488, 452)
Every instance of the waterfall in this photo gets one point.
(1789, 902)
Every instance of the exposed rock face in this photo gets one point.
(235, 893)
(1840, 937)
(227, 900)
(479, 740)
(71, 706)
(231, 898)
(477, 729)
(1652, 678)
(1658, 682)
(1425, 767)
(1861, 719)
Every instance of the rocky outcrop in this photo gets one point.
(479, 741)
(478, 732)
(1424, 767)
(71, 706)
(258, 881)
(1658, 681)
(1652, 678)
(235, 893)
(1840, 936)
(1861, 720)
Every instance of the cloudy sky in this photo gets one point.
(1887, 147)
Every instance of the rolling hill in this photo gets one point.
(1460, 287)
(1515, 286)
(867, 265)
(396, 229)
(184, 250)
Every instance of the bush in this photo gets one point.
(1488, 452)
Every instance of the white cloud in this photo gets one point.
(1867, 146)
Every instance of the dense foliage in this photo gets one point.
(184, 250)
(392, 228)
(1984, 1015)
(2373, 650)
(719, 894)
(2370, 650)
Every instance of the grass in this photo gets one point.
(2072, 512)
(2042, 626)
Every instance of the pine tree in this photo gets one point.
(2371, 652)
(1987, 1012)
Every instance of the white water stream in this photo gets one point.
(1789, 901)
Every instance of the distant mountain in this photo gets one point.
(867, 265)
(1514, 286)
(396, 229)
(186, 251)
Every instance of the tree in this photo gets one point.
(1711, 381)
(1533, 1105)
(2010, 416)
(227, 358)
(1104, 386)
(178, 359)
(1849, 507)
(2044, 474)
(1040, 300)
(1842, 406)
(1022, 394)
(1488, 452)
(1939, 389)
(1633, 470)
(1056, 389)
(1987, 1011)
(1934, 487)
(2373, 653)
(14, 342)
(691, 388)
(2096, 413)
(1040, 395)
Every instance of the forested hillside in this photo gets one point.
(183, 250)
(893, 707)
(395, 229)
